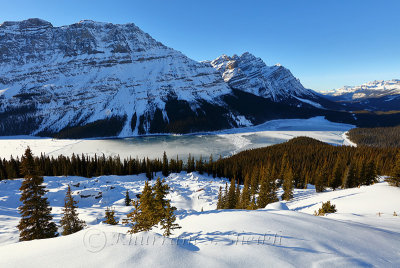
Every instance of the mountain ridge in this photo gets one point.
(95, 79)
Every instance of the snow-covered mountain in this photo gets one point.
(251, 74)
(375, 89)
(90, 71)
(93, 79)
(376, 96)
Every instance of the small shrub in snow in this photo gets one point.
(327, 207)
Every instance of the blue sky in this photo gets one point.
(326, 44)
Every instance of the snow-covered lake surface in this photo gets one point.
(217, 143)
(363, 233)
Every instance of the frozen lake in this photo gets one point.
(222, 143)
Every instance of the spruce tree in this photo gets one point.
(349, 178)
(70, 221)
(245, 196)
(143, 218)
(231, 197)
(110, 217)
(394, 179)
(160, 190)
(267, 193)
(219, 202)
(165, 168)
(370, 173)
(128, 200)
(36, 220)
(336, 178)
(168, 221)
(287, 185)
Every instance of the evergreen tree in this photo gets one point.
(165, 169)
(267, 193)
(349, 178)
(245, 196)
(128, 200)
(370, 173)
(321, 179)
(70, 221)
(336, 179)
(168, 221)
(394, 180)
(36, 220)
(237, 196)
(151, 209)
(160, 190)
(287, 185)
(252, 205)
(219, 203)
(109, 217)
(231, 197)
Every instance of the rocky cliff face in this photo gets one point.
(251, 74)
(78, 74)
(93, 79)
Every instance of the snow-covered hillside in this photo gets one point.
(362, 233)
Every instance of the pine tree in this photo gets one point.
(394, 180)
(336, 179)
(70, 221)
(287, 185)
(109, 217)
(321, 179)
(168, 221)
(160, 190)
(151, 209)
(165, 169)
(349, 178)
(36, 220)
(370, 173)
(267, 193)
(142, 218)
(245, 196)
(237, 196)
(128, 200)
(231, 197)
(219, 203)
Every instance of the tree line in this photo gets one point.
(303, 160)
(376, 137)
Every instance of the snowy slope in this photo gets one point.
(279, 235)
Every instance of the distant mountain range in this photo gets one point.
(93, 79)
(377, 95)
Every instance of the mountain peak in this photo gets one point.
(250, 73)
(29, 23)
